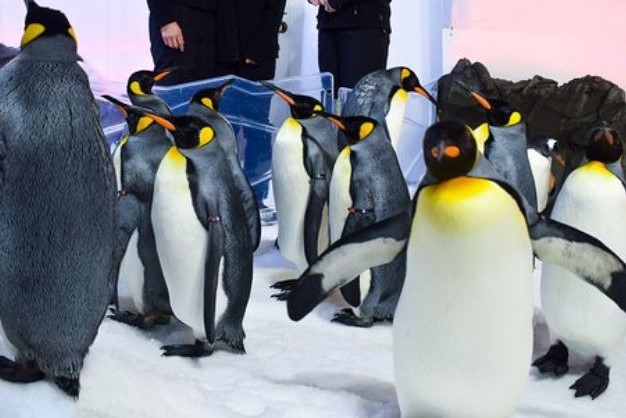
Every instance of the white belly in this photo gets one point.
(463, 326)
(540, 167)
(117, 163)
(577, 313)
(395, 116)
(339, 195)
(290, 183)
(181, 241)
(132, 272)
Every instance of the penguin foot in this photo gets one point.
(276, 244)
(348, 317)
(137, 320)
(198, 349)
(12, 371)
(594, 383)
(286, 286)
(233, 347)
(554, 361)
(70, 386)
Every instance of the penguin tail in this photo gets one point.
(302, 295)
(70, 386)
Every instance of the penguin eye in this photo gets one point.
(365, 129)
(32, 32)
(208, 102)
(206, 135)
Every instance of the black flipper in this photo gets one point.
(583, 255)
(12, 371)
(215, 251)
(318, 196)
(372, 246)
(250, 205)
(352, 292)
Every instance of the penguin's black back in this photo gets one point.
(370, 96)
(57, 210)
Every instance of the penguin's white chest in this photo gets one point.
(463, 326)
(132, 272)
(540, 167)
(339, 195)
(290, 183)
(592, 200)
(395, 116)
(181, 241)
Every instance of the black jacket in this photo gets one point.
(259, 21)
(356, 14)
(168, 11)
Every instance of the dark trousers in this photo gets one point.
(198, 59)
(349, 54)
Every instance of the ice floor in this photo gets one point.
(309, 369)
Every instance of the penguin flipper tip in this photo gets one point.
(305, 296)
(69, 386)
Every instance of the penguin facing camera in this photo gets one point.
(57, 207)
(205, 105)
(303, 155)
(505, 143)
(540, 152)
(460, 277)
(382, 95)
(137, 160)
(579, 317)
(200, 226)
(367, 186)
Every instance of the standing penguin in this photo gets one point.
(205, 105)
(367, 186)
(463, 326)
(303, 156)
(140, 154)
(506, 146)
(382, 95)
(540, 159)
(592, 199)
(57, 207)
(200, 226)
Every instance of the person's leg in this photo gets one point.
(328, 54)
(259, 71)
(361, 51)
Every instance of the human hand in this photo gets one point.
(248, 61)
(315, 2)
(172, 36)
(327, 7)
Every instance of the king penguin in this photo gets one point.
(140, 154)
(57, 207)
(593, 200)
(463, 325)
(303, 156)
(382, 95)
(201, 230)
(139, 90)
(367, 186)
(205, 105)
(540, 158)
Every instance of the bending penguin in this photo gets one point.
(367, 186)
(205, 105)
(303, 156)
(201, 230)
(580, 318)
(140, 154)
(460, 277)
(382, 95)
(57, 207)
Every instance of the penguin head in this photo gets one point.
(408, 81)
(44, 22)
(212, 97)
(603, 144)
(301, 107)
(356, 128)
(140, 82)
(135, 117)
(449, 149)
(189, 132)
(499, 112)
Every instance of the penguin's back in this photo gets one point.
(593, 200)
(370, 97)
(56, 212)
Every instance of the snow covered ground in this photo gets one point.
(313, 368)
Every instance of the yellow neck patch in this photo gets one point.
(72, 34)
(596, 167)
(401, 95)
(365, 129)
(124, 140)
(135, 87)
(143, 124)
(32, 32)
(208, 103)
(514, 119)
(175, 158)
(481, 134)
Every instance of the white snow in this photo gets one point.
(313, 368)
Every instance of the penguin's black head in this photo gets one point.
(189, 132)
(499, 112)
(135, 117)
(44, 22)
(449, 149)
(301, 107)
(140, 82)
(356, 128)
(410, 82)
(604, 144)
(212, 97)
